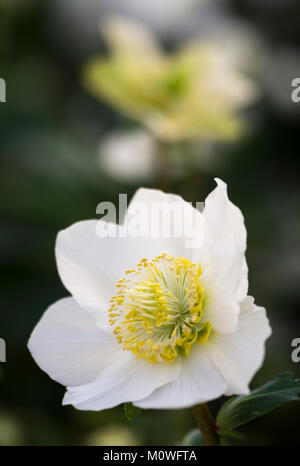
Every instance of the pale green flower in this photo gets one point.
(196, 92)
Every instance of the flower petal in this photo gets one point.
(168, 216)
(119, 155)
(129, 38)
(124, 379)
(223, 219)
(68, 346)
(198, 382)
(224, 222)
(88, 267)
(240, 355)
(90, 264)
(223, 259)
(220, 281)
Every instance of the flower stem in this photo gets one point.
(207, 425)
(163, 165)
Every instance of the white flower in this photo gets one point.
(151, 321)
(176, 96)
(128, 155)
(134, 156)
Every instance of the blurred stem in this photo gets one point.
(196, 182)
(163, 165)
(207, 425)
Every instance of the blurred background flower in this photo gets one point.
(112, 435)
(51, 135)
(129, 156)
(133, 156)
(195, 93)
(11, 430)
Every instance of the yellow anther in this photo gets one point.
(162, 298)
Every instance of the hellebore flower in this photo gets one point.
(135, 156)
(152, 320)
(128, 156)
(196, 92)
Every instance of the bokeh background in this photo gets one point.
(52, 175)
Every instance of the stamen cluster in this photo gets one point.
(157, 312)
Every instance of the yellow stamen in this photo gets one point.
(158, 311)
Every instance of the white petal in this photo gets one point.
(198, 382)
(222, 256)
(220, 281)
(168, 216)
(88, 267)
(125, 379)
(128, 156)
(240, 355)
(68, 346)
(129, 37)
(224, 223)
(223, 220)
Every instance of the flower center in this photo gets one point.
(157, 312)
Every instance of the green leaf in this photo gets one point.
(193, 437)
(232, 438)
(242, 409)
(131, 412)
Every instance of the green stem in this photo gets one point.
(207, 425)
(163, 165)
